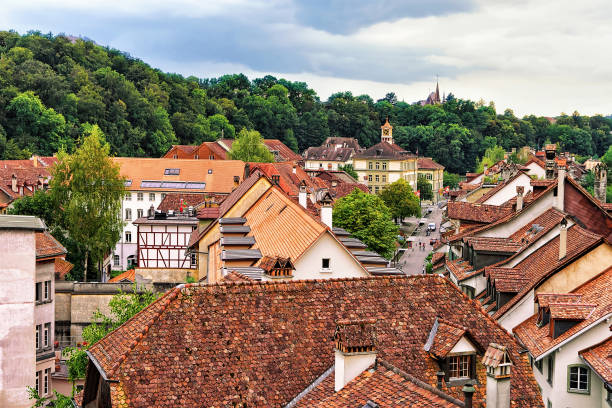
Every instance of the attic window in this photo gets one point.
(172, 172)
(459, 366)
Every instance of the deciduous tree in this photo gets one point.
(249, 147)
(401, 200)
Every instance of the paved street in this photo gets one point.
(413, 259)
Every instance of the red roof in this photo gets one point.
(484, 213)
(427, 163)
(47, 246)
(62, 267)
(172, 201)
(129, 275)
(264, 343)
(599, 358)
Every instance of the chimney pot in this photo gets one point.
(561, 188)
(355, 349)
(327, 215)
(14, 183)
(468, 392)
(440, 377)
(563, 239)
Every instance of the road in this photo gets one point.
(412, 262)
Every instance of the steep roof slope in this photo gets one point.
(264, 343)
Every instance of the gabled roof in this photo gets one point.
(62, 267)
(127, 276)
(264, 343)
(484, 213)
(499, 187)
(594, 292)
(443, 337)
(599, 358)
(325, 153)
(427, 163)
(289, 181)
(384, 150)
(47, 246)
(280, 150)
(217, 175)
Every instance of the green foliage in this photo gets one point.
(122, 307)
(51, 86)
(424, 186)
(88, 188)
(451, 180)
(348, 169)
(491, 156)
(60, 401)
(401, 200)
(249, 147)
(588, 181)
(367, 218)
(40, 205)
(607, 158)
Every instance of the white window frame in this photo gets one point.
(46, 334)
(47, 290)
(139, 213)
(116, 260)
(37, 384)
(128, 234)
(151, 196)
(128, 214)
(38, 336)
(46, 381)
(139, 196)
(128, 196)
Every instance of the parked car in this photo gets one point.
(431, 226)
(433, 241)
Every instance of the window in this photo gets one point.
(175, 156)
(369, 177)
(140, 196)
(163, 195)
(128, 236)
(459, 366)
(578, 379)
(128, 213)
(377, 166)
(377, 178)
(128, 196)
(370, 165)
(116, 260)
(38, 382)
(384, 165)
(139, 212)
(46, 381)
(325, 264)
(539, 365)
(211, 157)
(384, 179)
(38, 291)
(550, 369)
(376, 190)
(151, 196)
(38, 332)
(46, 337)
(194, 260)
(172, 172)
(47, 291)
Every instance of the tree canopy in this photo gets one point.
(250, 147)
(51, 85)
(367, 218)
(401, 200)
(425, 187)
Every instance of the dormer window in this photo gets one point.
(459, 366)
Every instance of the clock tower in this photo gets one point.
(386, 134)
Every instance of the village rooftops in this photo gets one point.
(593, 305)
(47, 246)
(265, 343)
(599, 358)
(427, 163)
(26, 222)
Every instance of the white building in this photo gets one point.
(149, 180)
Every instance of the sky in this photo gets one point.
(532, 56)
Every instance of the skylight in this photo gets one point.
(174, 185)
(172, 172)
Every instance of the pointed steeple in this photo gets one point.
(437, 96)
(386, 132)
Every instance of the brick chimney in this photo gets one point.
(601, 181)
(355, 349)
(498, 364)
(561, 187)
(562, 238)
(519, 197)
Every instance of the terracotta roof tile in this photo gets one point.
(129, 275)
(545, 299)
(594, 292)
(264, 343)
(384, 150)
(578, 311)
(485, 213)
(62, 267)
(428, 163)
(172, 201)
(494, 355)
(47, 246)
(599, 358)
(443, 337)
(493, 244)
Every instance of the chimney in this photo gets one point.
(14, 184)
(601, 182)
(561, 187)
(550, 152)
(302, 196)
(563, 238)
(294, 170)
(468, 393)
(519, 197)
(355, 349)
(327, 215)
(151, 212)
(498, 365)
(35, 161)
(247, 171)
(440, 376)
(275, 179)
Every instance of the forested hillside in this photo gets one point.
(50, 86)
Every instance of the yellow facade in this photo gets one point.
(377, 174)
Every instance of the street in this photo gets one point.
(413, 260)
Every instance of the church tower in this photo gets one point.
(386, 134)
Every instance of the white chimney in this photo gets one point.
(294, 169)
(561, 188)
(519, 197)
(14, 183)
(563, 239)
(326, 215)
(498, 365)
(355, 349)
(303, 197)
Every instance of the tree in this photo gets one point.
(348, 169)
(122, 307)
(451, 180)
(367, 218)
(424, 186)
(87, 186)
(401, 200)
(491, 156)
(607, 158)
(249, 147)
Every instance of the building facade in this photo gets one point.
(434, 173)
(385, 163)
(333, 153)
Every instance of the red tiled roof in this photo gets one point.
(427, 163)
(289, 181)
(579, 311)
(282, 152)
(594, 292)
(545, 299)
(382, 384)
(599, 358)
(387, 151)
(484, 213)
(264, 343)
(234, 276)
(342, 154)
(62, 267)
(497, 188)
(172, 201)
(47, 246)
(445, 336)
(437, 257)
(208, 213)
(493, 244)
(460, 268)
(129, 275)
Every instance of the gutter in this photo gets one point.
(98, 366)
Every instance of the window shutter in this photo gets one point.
(473, 366)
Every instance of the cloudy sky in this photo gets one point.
(533, 56)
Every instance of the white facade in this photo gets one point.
(509, 190)
(325, 164)
(556, 391)
(165, 245)
(536, 170)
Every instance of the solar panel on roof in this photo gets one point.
(150, 184)
(172, 172)
(173, 184)
(196, 185)
(127, 183)
(176, 185)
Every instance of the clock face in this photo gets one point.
(386, 132)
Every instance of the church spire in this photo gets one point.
(437, 96)
(386, 132)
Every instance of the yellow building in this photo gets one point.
(385, 162)
(434, 173)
